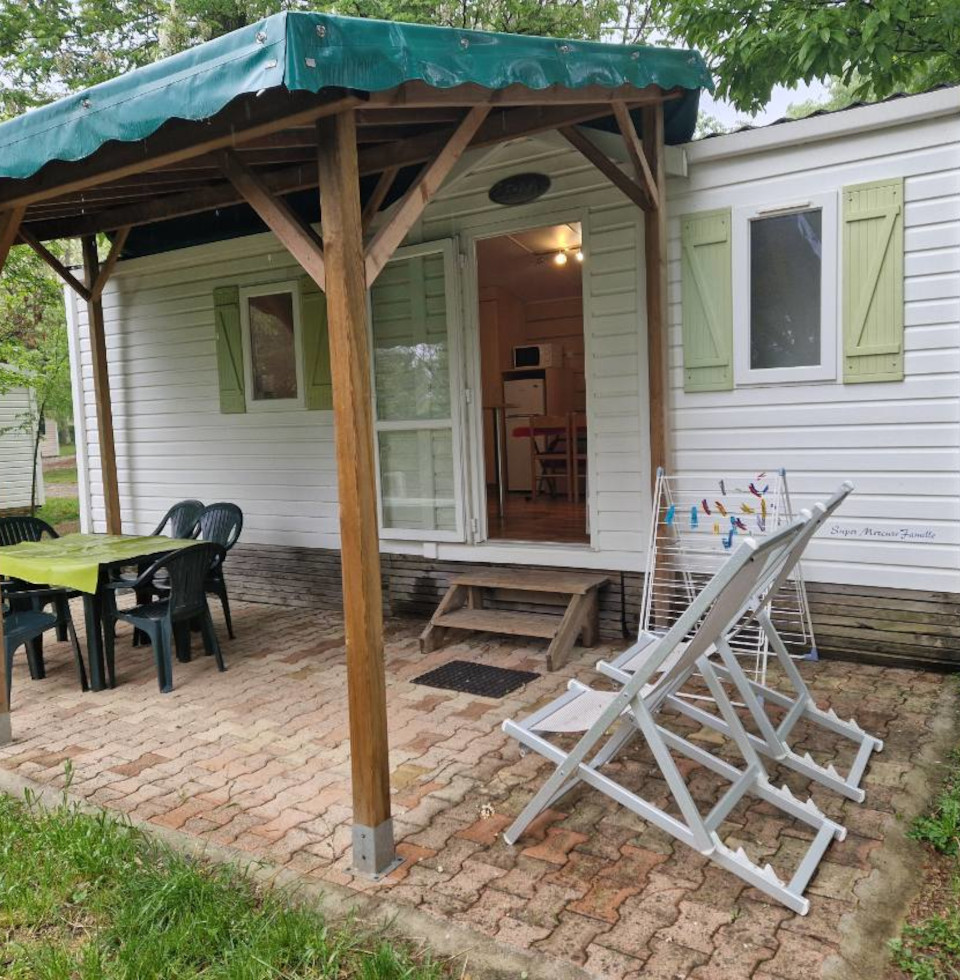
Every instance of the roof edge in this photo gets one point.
(826, 126)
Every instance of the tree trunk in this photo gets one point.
(36, 455)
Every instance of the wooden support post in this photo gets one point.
(373, 846)
(101, 389)
(9, 229)
(655, 252)
(635, 151)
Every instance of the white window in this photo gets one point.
(270, 317)
(785, 292)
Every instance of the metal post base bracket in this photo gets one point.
(374, 853)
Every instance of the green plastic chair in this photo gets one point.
(221, 523)
(161, 620)
(24, 623)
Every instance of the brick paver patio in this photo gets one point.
(258, 759)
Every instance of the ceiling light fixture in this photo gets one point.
(560, 258)
(579, 255)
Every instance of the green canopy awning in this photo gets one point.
(311, 52)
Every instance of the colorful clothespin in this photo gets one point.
(705, 506)
(746, 509)
(694, 517)
(716, 527)
(720, 507)
(728, 540)
(738, 523)
(723, 488)
(671, 510)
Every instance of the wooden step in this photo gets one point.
(500, 621)
(533, 580)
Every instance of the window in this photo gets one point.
(271, 346)
(785, 292)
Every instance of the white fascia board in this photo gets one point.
(845, 122)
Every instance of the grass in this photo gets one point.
(61, 512)
(929, 949)
(64, 474)
(92, 898)
(68, 449)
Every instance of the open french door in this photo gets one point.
(415, 338)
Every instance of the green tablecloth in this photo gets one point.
(74, 560)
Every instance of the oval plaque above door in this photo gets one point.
(519, 189)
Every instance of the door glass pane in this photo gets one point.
(416, 479)
(410, 346)
(272, 349)
(785, 265)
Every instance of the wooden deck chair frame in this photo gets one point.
(773, 740)
(633, 710)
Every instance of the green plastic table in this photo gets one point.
(84, 562)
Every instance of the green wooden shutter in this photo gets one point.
(226, 303)
(707, 299)
(315, 338)
(873, 281)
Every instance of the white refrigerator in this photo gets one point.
(523, 398)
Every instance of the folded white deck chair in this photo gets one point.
(774, 739)
(611, 719)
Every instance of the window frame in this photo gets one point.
(270, 289)
(826, 370)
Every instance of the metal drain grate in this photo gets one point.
(479, 679)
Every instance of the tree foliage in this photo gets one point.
(51, 47)
(877, 46)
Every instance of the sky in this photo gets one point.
(776, 107)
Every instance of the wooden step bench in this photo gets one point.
(462, 608)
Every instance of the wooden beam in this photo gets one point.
(373, 846)
(101, 390)
(298, 239)
(387, 239)
(504, 125)
(382, 189)
(606, 166)
(635, 151)
(103, 276)
(10, 222)
(171, 145)
(417, 95)
(54, 263)
(655, 261)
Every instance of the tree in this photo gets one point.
(33, 347)
(51, 47)
(876, 46)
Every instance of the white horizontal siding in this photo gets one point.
(172, 441)
(899, 442)
(16, 451)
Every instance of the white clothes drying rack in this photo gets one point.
(697, 522)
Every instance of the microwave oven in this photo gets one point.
(536, 356)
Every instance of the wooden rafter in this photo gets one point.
(109, 264)
(298, 238)
(388, 238)
(635, 151)
(54, 263)
(380, 192)
(606, 166)
(499, 126)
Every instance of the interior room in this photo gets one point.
(534, 387)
